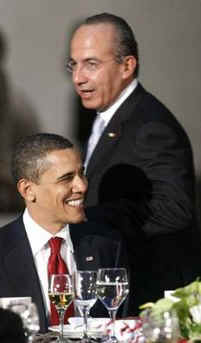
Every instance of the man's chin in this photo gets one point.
(79, 219)
(88, 104)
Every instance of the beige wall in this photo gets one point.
(37, 33)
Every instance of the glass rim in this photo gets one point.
(116, 268)
(60, 274)
(86, 271)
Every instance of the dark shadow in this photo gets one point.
(198, 200)
(126, 191)
(135, 185)
(124, 195)
(11, 328)
(17, 119)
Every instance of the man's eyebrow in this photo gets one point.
(91, 58)
(65, 176)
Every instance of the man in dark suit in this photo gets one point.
(49, 175)
(139, 161)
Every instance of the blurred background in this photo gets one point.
(36, 94)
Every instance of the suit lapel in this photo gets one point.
(113, 132)
(20, 269)
(86, 254)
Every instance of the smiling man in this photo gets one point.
(56, 198)
(49, 175)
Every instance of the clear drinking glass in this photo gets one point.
(112, 290)
(61, 295)
(32, 322)
(161, 327)
(85, 294)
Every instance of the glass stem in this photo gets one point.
(112, 314)
(61, 318)
(85, 317)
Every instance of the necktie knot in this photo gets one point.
(98, 125)
(56, 264)
(55, 245)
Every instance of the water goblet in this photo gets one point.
(112, 290)
(161, 327)
(32, 322)
(61, 295)
(85, 295)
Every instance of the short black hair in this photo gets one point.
(28, 159)
(126, 44)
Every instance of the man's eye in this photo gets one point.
(92, 65)
(67, 179)
(70, 66)
(81, 173)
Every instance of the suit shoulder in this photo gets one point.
(154, 109)
(149, 109)
(8, 231)
(95, 228)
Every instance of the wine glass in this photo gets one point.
(85, 295)
(32, 322)
(112, 290)
(61, 295)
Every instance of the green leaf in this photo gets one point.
(188, 297)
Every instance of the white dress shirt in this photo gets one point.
(108, 114)
(38, 238)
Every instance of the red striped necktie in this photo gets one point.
(56, 265)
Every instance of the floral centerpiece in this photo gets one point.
(186, 304)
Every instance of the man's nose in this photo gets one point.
(80, 184)
(79, 76)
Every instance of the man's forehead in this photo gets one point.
(68, 154)
(92, 30)
(86, 41)
(60, 162)
(95, 26)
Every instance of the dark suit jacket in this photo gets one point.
(141, 180)
(18, 275)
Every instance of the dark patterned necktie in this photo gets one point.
(56, 265)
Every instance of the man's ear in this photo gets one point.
(26, 189)
(129, 65)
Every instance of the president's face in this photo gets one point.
(59, 193)
(97, 77)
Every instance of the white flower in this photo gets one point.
(196, 313)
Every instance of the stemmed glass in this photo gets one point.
(112, 290)
(61, 295)
(85, 295)
(161, 327)
(32, 322)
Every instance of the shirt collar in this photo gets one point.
(108, 114)
(39, 237)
